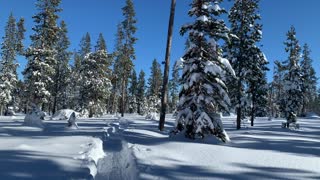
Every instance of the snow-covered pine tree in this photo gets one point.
(95, 71)
(61, 79)
(85, 49)
(309, 88)
(127, 51)
(278, 89)
(11, 46)
(133, 92)
(293, 97)
(117, 71)
(204, 94)
(20, 36)
(174, 88)
(40, 69)
(74, 96)
(247, 59)
(154, 90)
(257, 84)
(155, 79)
(141, 93)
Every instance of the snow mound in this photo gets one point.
(312, 115)
(64, 114)
(152, 116)
(93, 151)
(34, 118)
(72, 124)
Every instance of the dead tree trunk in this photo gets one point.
(164, 97)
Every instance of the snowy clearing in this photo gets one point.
(133, 148)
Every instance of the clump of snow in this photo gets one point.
(93, 151)
(152, 116)
(72, 124)
(34, 118)
(64, 114)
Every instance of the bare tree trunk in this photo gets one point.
(164, 97)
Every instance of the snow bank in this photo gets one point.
(93, 151)
(64, 114)
(34, 118)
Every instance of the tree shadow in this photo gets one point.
(31, 165)
(246, 172)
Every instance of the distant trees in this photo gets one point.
(94, 81)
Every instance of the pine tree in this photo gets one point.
(41, 54)
(309, 88)
(204, 92)
(8, 66)
(95, 71)
(174, 88)
(155, 84)
(292, 78)
(11, 47)
(127, 52)
(155, 80)
(133, 92)
(20, 36)
(141, 93)
(247, 60)
(62, 70)
(278, 89)
(85, 49)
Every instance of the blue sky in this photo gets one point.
(95, 16)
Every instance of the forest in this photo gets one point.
(223, 69)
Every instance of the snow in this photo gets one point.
(64, 114)
(133, 148)
(203, 18)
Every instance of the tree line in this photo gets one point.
(90, 80)
(224, 69)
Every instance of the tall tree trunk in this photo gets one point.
(239, 100)
(253, 109)
(123, 97)
(164, 97)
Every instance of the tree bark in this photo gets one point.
(164, 97)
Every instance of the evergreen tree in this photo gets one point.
(155, 84)
(95, 71)
(127, 52)
(247, 60)
(204, 92)
(309, 88)
(11, 47)
(117, 73)
(85, 49)
(141, 93)
(278, 89)
(133, 92)
(20, 36)
(155, 80)
(292, 78)
(8, 66)
(40, 69)
(174, 85)
(62, 70)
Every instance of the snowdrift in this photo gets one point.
(64, 114)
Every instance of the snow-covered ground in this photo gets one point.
(133, 148)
